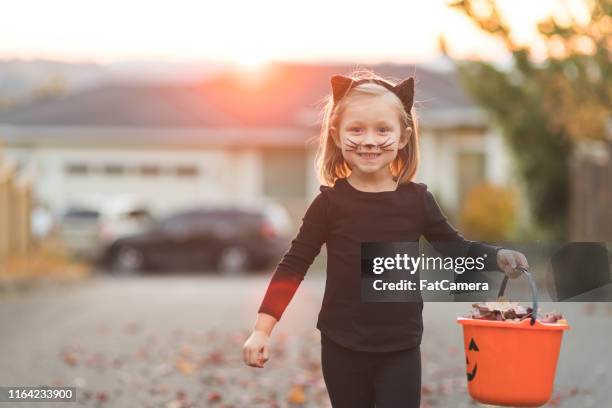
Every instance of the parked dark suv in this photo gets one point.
(226, 240)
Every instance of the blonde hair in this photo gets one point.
(329, 163)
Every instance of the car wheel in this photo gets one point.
(233, 260)
(128, 260)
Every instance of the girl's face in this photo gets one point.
(370, 134)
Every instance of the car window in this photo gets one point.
(140, 214)
(175, 221)
(204, 220)
(81, 213)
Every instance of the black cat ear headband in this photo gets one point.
(341, 85)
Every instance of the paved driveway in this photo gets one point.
(175, 341)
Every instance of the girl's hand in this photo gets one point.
(255, 350)
(508, 260)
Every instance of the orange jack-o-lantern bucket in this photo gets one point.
(512, 363)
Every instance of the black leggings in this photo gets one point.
(367, 379)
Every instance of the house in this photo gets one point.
(234, 138)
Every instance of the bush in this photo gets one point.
(489, 213)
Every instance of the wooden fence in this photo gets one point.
(15, 212)
(591, 192)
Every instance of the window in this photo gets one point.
(114, 169)
(76, 169)
(150, 170)
(186, 170)
(80, 214)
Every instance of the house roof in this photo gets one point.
(286, 96)
(156, 137)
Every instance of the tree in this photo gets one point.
(544, 107)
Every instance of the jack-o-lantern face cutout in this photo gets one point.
(471, 373)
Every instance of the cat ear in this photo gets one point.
(405, 91)
(340, 85)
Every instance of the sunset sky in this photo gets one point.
(253, 32)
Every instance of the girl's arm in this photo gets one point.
(265, 323)
(288, 276)
(446, 239)
(295, 262)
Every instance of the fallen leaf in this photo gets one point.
(101, 396)
(184, 366)
(297, 395)
(70, 358)
(214, 397)
(216, 357)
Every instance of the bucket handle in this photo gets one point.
(534, 292)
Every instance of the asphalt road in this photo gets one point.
(175, 341)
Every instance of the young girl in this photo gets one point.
(367, 159)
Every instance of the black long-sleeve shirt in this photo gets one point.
(342, 217)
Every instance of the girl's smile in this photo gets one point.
(369, 157)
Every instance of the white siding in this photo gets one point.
(223, 175)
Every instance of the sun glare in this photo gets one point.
(252, 61)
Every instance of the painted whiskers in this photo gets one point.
(359, 147)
